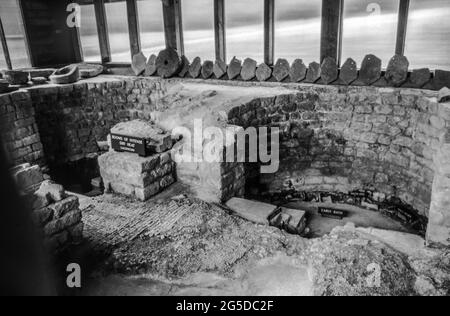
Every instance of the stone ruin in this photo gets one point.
(381, 148)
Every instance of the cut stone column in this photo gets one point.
(438, 232)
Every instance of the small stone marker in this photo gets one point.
(248, 71)
(370, 70)
(220, 68)
(253, 211)
(139, 63)
(281, 69)
(207, 69)
(418, 78)
(444, 95)
(441, 79)
(185, 66)
(168, 63)
(234, 68)
(196, 67)
(263, 72)
(329, 70)
(397, 70)
(313, 72)
(150, 68)
(298, 71)
(349, 71)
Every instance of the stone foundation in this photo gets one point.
(139, 177)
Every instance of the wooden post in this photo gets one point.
(5, 46)
(102, 29)
(133, 27)
(331, 36)
(269, 32)
(220, 30)
(173, 25)
(403, 12)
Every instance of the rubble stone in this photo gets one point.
(281, 69)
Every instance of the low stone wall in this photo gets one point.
(56, 215)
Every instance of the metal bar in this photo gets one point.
(173, 25)
(331, 34)
(269, 32)
(403, 12)
(220, 30)
(102, 29)
(5, 46)
(133, 27)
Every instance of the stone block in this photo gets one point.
(298, 71)
(58, 225)
(143, 194)
(349, 71)
(207, 69)
(220, 69)
(263, 72)
(313, 73)
(195, 68)
(370, 70)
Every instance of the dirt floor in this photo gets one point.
(176, 245)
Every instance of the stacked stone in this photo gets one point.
(56, 214)
(139, 177)
(18, 129)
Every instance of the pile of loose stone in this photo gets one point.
(140, 177)
(55, 213)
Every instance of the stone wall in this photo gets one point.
(18, 129)
(346, 138)
(333, 138)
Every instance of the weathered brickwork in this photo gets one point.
(18, 129)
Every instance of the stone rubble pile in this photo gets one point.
(54, 212)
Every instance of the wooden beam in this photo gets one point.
(269, 32)
(403, 12)
(220, 30)
(5, 46)
(173, 25)
(133, 27)
(331, 36)
(102, 30)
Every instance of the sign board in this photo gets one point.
(129, 144)
(331, 212)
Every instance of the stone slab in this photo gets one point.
(253, 211)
